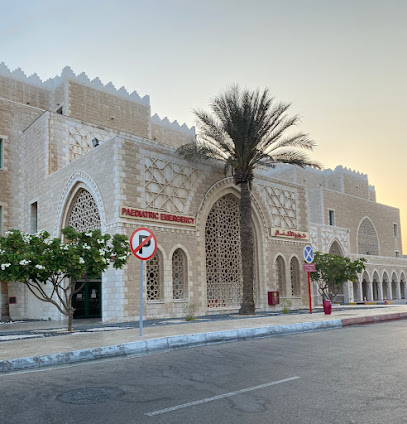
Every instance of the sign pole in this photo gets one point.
(140, 331)
(309, 293)
(143, 245)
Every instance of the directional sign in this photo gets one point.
(308, 254)
(143, 244)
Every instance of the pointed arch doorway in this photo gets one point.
(83, 215)
(224, 279)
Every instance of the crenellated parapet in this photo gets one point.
(174, 125)
(66, 74)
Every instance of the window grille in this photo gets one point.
(84, 214)
(178, 275)
(154, 278)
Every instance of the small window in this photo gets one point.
(1, 153)
(1, 221)
(397, 254)
(34, 218)
(331, 217)
(60, 111)
(395, 230)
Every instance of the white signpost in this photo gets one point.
(143, 245)
(309, 267)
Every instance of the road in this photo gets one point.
(351, 375)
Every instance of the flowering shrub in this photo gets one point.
(38, 259)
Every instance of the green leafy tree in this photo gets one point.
(244, 130)
(38, 260)
(333, 271)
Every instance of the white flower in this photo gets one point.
(89, 234)
(24, 262)
(102, 252)
(2, 252)
(26, 238)
(4, 266)
(48, 241)
(7, 233)
(101, 241)
(81, 261)
(40, 267)
(64, 247)
(86, 246)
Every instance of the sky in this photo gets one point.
(342, 64)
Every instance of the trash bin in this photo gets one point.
(327, 305)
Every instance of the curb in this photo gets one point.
(144, 347)
(374, 319)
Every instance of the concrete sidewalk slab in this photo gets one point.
(79, 347)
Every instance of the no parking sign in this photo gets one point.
(143, 245)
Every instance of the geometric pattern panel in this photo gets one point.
(223, 256)
(368, 242)
(178, 274)
(283, 207)
(80, 140)
(154, 278)
(295, 277)
(281, 283)
(84, 215)
(168, 185)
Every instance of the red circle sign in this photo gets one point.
(143, 244)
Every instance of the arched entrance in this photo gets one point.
(402, 286)
(223, 256)
(83, 215)
(375, 286)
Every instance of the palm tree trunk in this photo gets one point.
(247, 306)
(5, 307)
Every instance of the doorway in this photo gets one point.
(88, 301)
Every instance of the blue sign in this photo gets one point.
(308, 254)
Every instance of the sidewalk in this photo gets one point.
(46, 343)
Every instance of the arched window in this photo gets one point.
(84, 213)
(335, 249)
(179, 275)
(280, 270)
(295, 277)
(368, 242)
(154, 277)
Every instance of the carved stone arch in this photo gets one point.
(220, 189)
(179, 273)
(402, 285)
(79, 180)
(280, 273)
(376, 284)
(295, 276)
(402, 276)
(385, 276)
(336, 248)
(365, 276)
(367, 238)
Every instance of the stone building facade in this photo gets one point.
(77, 152)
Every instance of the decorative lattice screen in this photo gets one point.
(154, 278)
(283, 207)
(295, 277)
(280, 270)
(178, 274)
(84, 213)
(368, 243)
(335, 249)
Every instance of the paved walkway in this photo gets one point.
(38, 344)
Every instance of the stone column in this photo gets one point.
(380, 287)
(398, 291)
(370, 290)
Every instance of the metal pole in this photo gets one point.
(140, 332)
(309, 293)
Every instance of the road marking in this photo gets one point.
(225, 395)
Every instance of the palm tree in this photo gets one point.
(246, 129)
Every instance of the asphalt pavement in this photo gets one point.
(38, 344)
